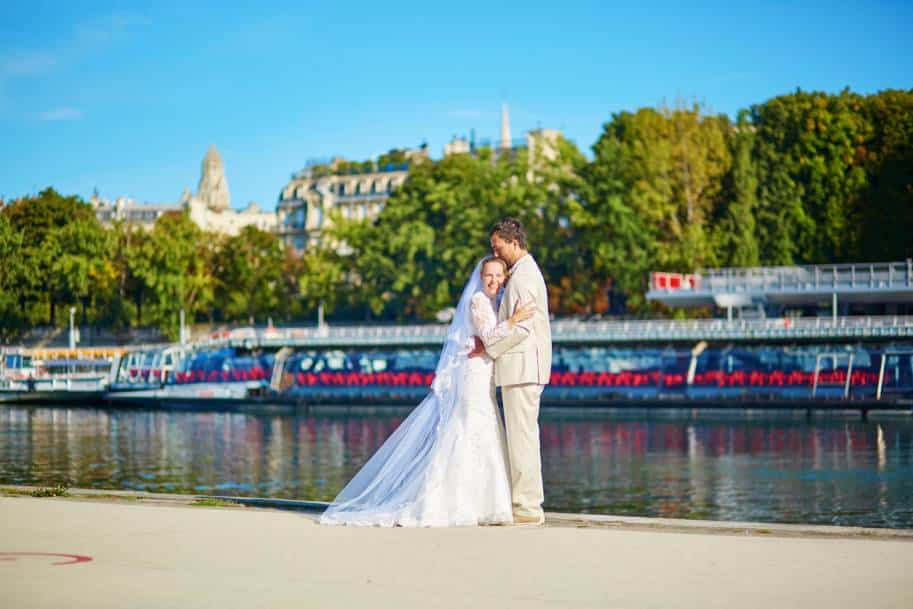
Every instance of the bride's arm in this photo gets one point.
(521, 331)
(483, 318)
(485, 322)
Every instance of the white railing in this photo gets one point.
(573, 331)
(75, 383)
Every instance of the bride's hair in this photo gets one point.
(498, 259)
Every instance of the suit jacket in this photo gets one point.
(525, 354)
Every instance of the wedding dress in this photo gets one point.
(446, 464)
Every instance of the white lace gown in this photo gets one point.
(458, 474)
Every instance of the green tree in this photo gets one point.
(395, 156)
(11, 318)
(49, 250)
(324, 279)
(886, 203)
(735, 227)
(616, 236)
(123, 307)
(810, 163)
(249, 275)
(546, 191)
(655, 183)
(175, 265)
(82, 271)
(411, 261)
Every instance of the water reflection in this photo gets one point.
(737, 468)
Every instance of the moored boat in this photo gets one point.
(37, 376)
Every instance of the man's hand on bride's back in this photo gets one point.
(479, 349)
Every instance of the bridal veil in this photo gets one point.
(390, 487)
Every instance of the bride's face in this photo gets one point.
(492, 278)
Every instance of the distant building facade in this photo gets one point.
(355, 191)
(542, 144)
(359, 191)
(210, 208)
(129, 211)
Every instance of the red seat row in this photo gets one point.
(628, 378)
(144, 373)
(737, 378)
(397, 379)
(425, 379)
(780, 378)
(221, 376)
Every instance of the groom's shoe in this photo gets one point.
(529, 521)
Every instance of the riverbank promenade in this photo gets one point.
(134, 550)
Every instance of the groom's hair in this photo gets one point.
(509, 229)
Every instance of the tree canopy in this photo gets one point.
(807, 177)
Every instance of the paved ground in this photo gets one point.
(147, 553)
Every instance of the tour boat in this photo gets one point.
(35, 376)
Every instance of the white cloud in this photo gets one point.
(26, 64)
(60, 114)
(87, 37)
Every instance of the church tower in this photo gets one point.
(505, 128)
(213, 188)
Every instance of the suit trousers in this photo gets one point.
(521, 417)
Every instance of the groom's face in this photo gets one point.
(508, 250)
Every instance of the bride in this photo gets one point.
(446, 464)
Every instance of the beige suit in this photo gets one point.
(523, 363)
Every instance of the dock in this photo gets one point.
(226, 400)
(133, 550)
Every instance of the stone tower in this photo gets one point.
(213, 188)
(505, 128)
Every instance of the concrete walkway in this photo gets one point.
(160, 553)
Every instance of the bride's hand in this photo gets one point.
(478, 349)
(522, 312)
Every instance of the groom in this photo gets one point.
(523, 363)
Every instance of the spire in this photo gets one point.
(212, 156)
(213, 187)
(505, 127)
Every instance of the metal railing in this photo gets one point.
(823, 278)
(582, 332)
(92, 382)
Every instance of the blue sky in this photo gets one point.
(126, 98)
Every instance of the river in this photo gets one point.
(717, 466)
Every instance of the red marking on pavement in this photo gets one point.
(74, 558)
